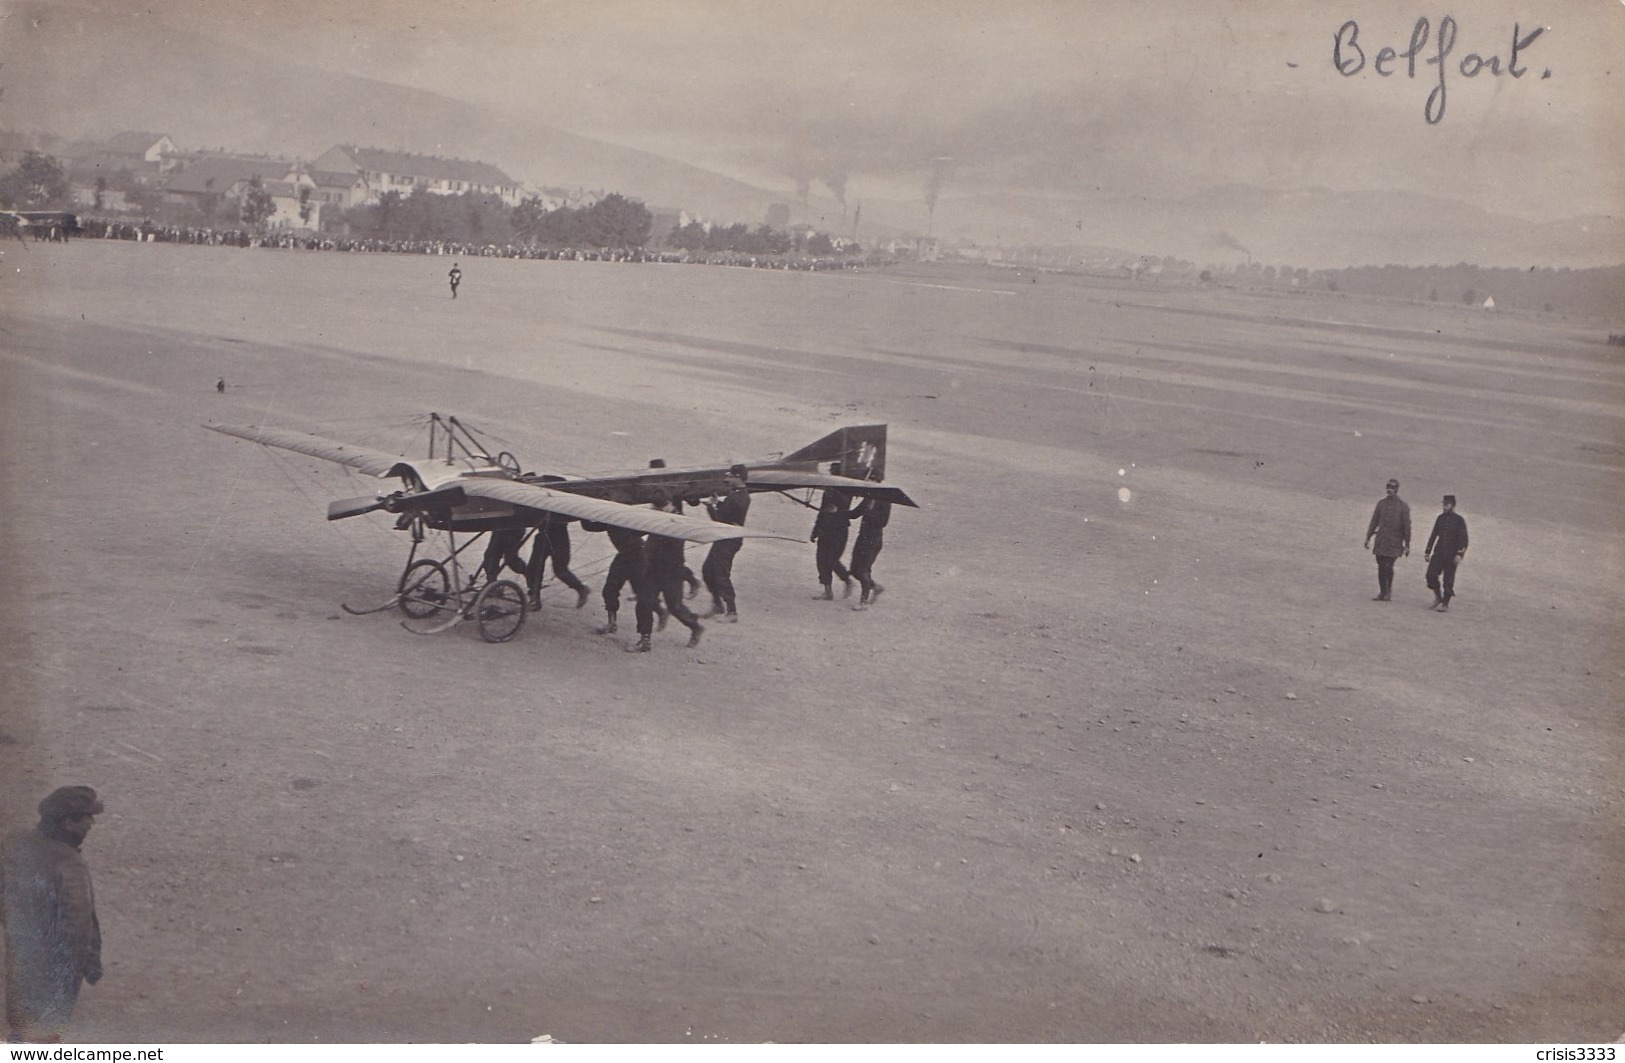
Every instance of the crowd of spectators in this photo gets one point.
(149, 232)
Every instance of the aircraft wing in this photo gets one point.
(601, 511)
(780, 479)
(372, 462)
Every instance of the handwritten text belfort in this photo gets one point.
(1434, 50)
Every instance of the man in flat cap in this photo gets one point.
(1446, 547)
(52, 938)
(1391, 526)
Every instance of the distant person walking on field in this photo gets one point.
(53, 942)
(1445, 550)
(456, 277)
(1391, 525)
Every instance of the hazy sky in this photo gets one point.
(1060, 97)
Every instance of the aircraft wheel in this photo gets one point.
(425, 589)
(499, 609)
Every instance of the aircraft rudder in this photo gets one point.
(860, 450)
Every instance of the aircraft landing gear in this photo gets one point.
(424, 589)
(499, 609)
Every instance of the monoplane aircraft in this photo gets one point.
(461, 488)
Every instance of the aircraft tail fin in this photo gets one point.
(860, 451)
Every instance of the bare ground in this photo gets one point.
(1124, 753)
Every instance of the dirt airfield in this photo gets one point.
(1124, 753)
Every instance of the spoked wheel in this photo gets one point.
(499, 609)
(425, 589)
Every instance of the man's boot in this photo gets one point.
(827, 596)
(582, 594)
(608, 628)
(694, 635)
(640, 646)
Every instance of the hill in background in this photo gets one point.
(206, 93)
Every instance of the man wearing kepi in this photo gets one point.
(1391, 526)
(52, 938)
(1446, 547)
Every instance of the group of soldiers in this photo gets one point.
(1390, 527)
(656, 571)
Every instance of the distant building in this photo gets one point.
(549, 198)
(217, 183)
(146, 157)
(375, 171)
(143, 158)
(921, 248)
(339, 189)
(92, 197)
(140, 149)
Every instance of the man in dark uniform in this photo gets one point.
(1445, 549)
(1391, 525)
(627, 567)
(835, 513)
(53, 941)
(456, 278)
(719, 562)
(662, 579)
(553, 541)
(502, 551)
(871, 536)
(688, 573)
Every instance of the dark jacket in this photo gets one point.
(48, 907)
(1449, 534)
(665, 556)
(871, 532)
(629, 556)
(1391, 524)
(835, 512)
(732, 509)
